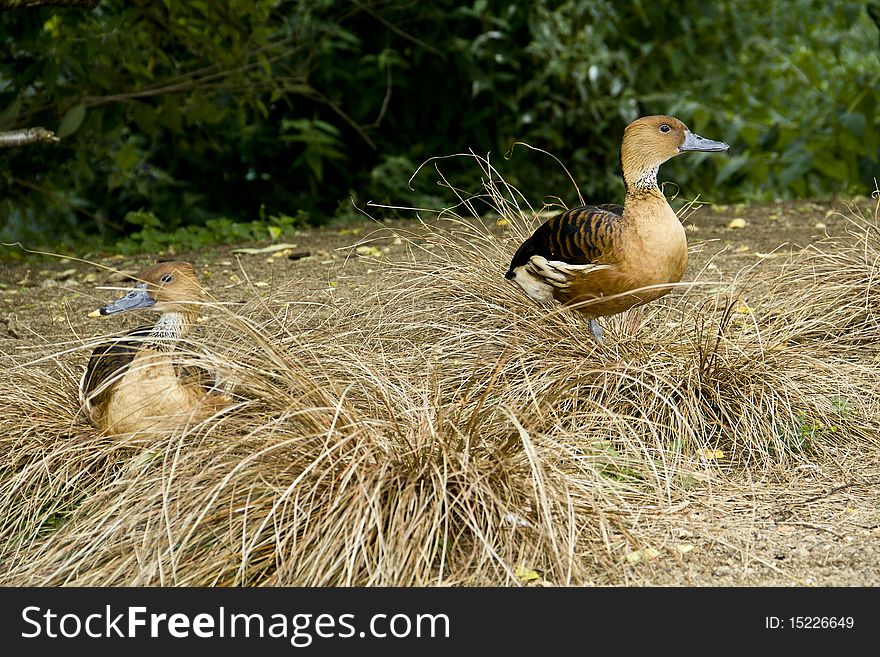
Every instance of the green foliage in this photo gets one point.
(151, 235)
(198, 110)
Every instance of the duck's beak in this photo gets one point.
(693, 142)
(138, 297)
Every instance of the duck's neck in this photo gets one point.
(639, 170)
(644, 181)
(171, 327)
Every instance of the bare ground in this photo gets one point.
(814, 525)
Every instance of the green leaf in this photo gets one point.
(128, 157)
(831, 167)
(10, 114)
(71, 121)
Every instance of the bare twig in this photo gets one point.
(26, 136)
(398, 31)
(25, 4)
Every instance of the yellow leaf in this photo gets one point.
(502, 222)
(274, 232)
(711, 454)
(526, 574)
(272, 248)
(369, 251)
(737, 223)
(647, 554)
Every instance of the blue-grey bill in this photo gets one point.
(136, 298)
(693, 142)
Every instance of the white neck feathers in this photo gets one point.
(172, 326)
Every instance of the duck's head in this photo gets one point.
(167, 287)
(650, 141)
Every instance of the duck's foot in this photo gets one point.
(595, 330)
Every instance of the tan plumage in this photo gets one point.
(605, 259)
(136, 382)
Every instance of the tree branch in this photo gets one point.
(26, 136)
(18, 4)
(398, 31)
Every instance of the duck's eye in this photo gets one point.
(665, 128)
(166, 278)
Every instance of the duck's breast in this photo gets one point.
(656, 252)
(150, 395)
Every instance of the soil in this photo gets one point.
(813, 526)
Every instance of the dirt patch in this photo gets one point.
(814, 524)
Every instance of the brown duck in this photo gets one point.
(136, 382)
(604, 259)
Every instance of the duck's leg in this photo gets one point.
(595, 330)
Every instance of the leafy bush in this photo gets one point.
(199, 110)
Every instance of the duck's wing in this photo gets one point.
(564, 246)
(577, 237)
(108, 363)
(195, 370)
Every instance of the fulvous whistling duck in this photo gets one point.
(133, 382)
(604, 259)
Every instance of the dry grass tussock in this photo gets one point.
(434, 426)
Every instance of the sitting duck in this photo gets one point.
(605, 259)
(134, 383)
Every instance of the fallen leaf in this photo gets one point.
(371, 251)
(272, 248)
(67, 273)
(737, 223)
(711, 454)
(121, 276)
(515, 519)
(12, 327)
(502, 222)
(526, 574)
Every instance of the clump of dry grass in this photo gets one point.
(434, 426)
(834, 289)
(317, 480)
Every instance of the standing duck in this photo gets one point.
(604, 259)
(133, 382)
